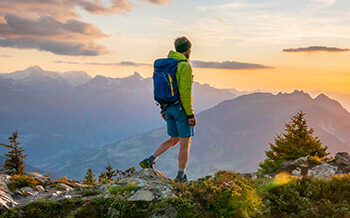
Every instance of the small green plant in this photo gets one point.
(116, 190)
(19, 181)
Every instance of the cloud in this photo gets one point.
(230, 65)
(16, 26)
(324, 3)
(122, 63)
(317, 49)
(62, 9)
(55, 25)
(71, 37)
(158, 2)
(6, 56)
(56, 47)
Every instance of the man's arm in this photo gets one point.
(184, 83)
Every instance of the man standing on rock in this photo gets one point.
(176, 103)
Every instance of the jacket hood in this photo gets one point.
(176, 55)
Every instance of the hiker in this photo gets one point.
(172, 81)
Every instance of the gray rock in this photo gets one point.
(39, 188)
(152, 181)
(342, 161)
(296, 172)
(142, 195)
(6, 201)
(5, 180)
(301, 162)
(27, 188)
(322, 171)
(64, 186)
(342, 158)
(57, 193)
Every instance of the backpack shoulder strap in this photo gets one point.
(178, 61)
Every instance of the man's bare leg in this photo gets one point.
(166, 145)
(149, 162)
(185, 144)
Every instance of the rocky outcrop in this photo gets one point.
(45, 189)
(6, 200)
(310, 167)
(147, 185)
(151, 185)
(322, 171)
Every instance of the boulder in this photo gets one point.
(39, 188)
(64, 186)
(27, 188)
(297, 172)
(150, 180)
(142, 195)
(342, 161)
(6, 200)
(322, 171)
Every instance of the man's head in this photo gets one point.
(183, 45)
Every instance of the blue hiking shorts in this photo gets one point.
(177, 122)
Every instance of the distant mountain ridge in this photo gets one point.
(233, 135)
(56, 112)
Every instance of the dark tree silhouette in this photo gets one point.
(110, 173)
(89, 177)
(14, 163)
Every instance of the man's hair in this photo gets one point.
(182, 44)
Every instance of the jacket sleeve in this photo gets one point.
(184, 84)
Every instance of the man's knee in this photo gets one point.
(185, 140)
(174, 140)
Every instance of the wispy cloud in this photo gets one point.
(56, 25)
(56, 47)
(230, 65)
(122, 63)
(323, 3)
(158, 2)
(59, 9)
(317, 49)
(6, 56)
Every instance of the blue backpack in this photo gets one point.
(164, 81)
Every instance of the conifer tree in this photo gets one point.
(90, 177)
(14, 163)
(110, 173)
(296, 141)
(102, 177)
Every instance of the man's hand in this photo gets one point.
(163, 115)
(192, 121)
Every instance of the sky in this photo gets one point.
(275, 45)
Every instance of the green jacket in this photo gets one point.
(184, 81)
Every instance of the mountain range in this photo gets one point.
(232, 135)
(56, 112)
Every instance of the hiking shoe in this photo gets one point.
(146, 163)
(181, 179)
